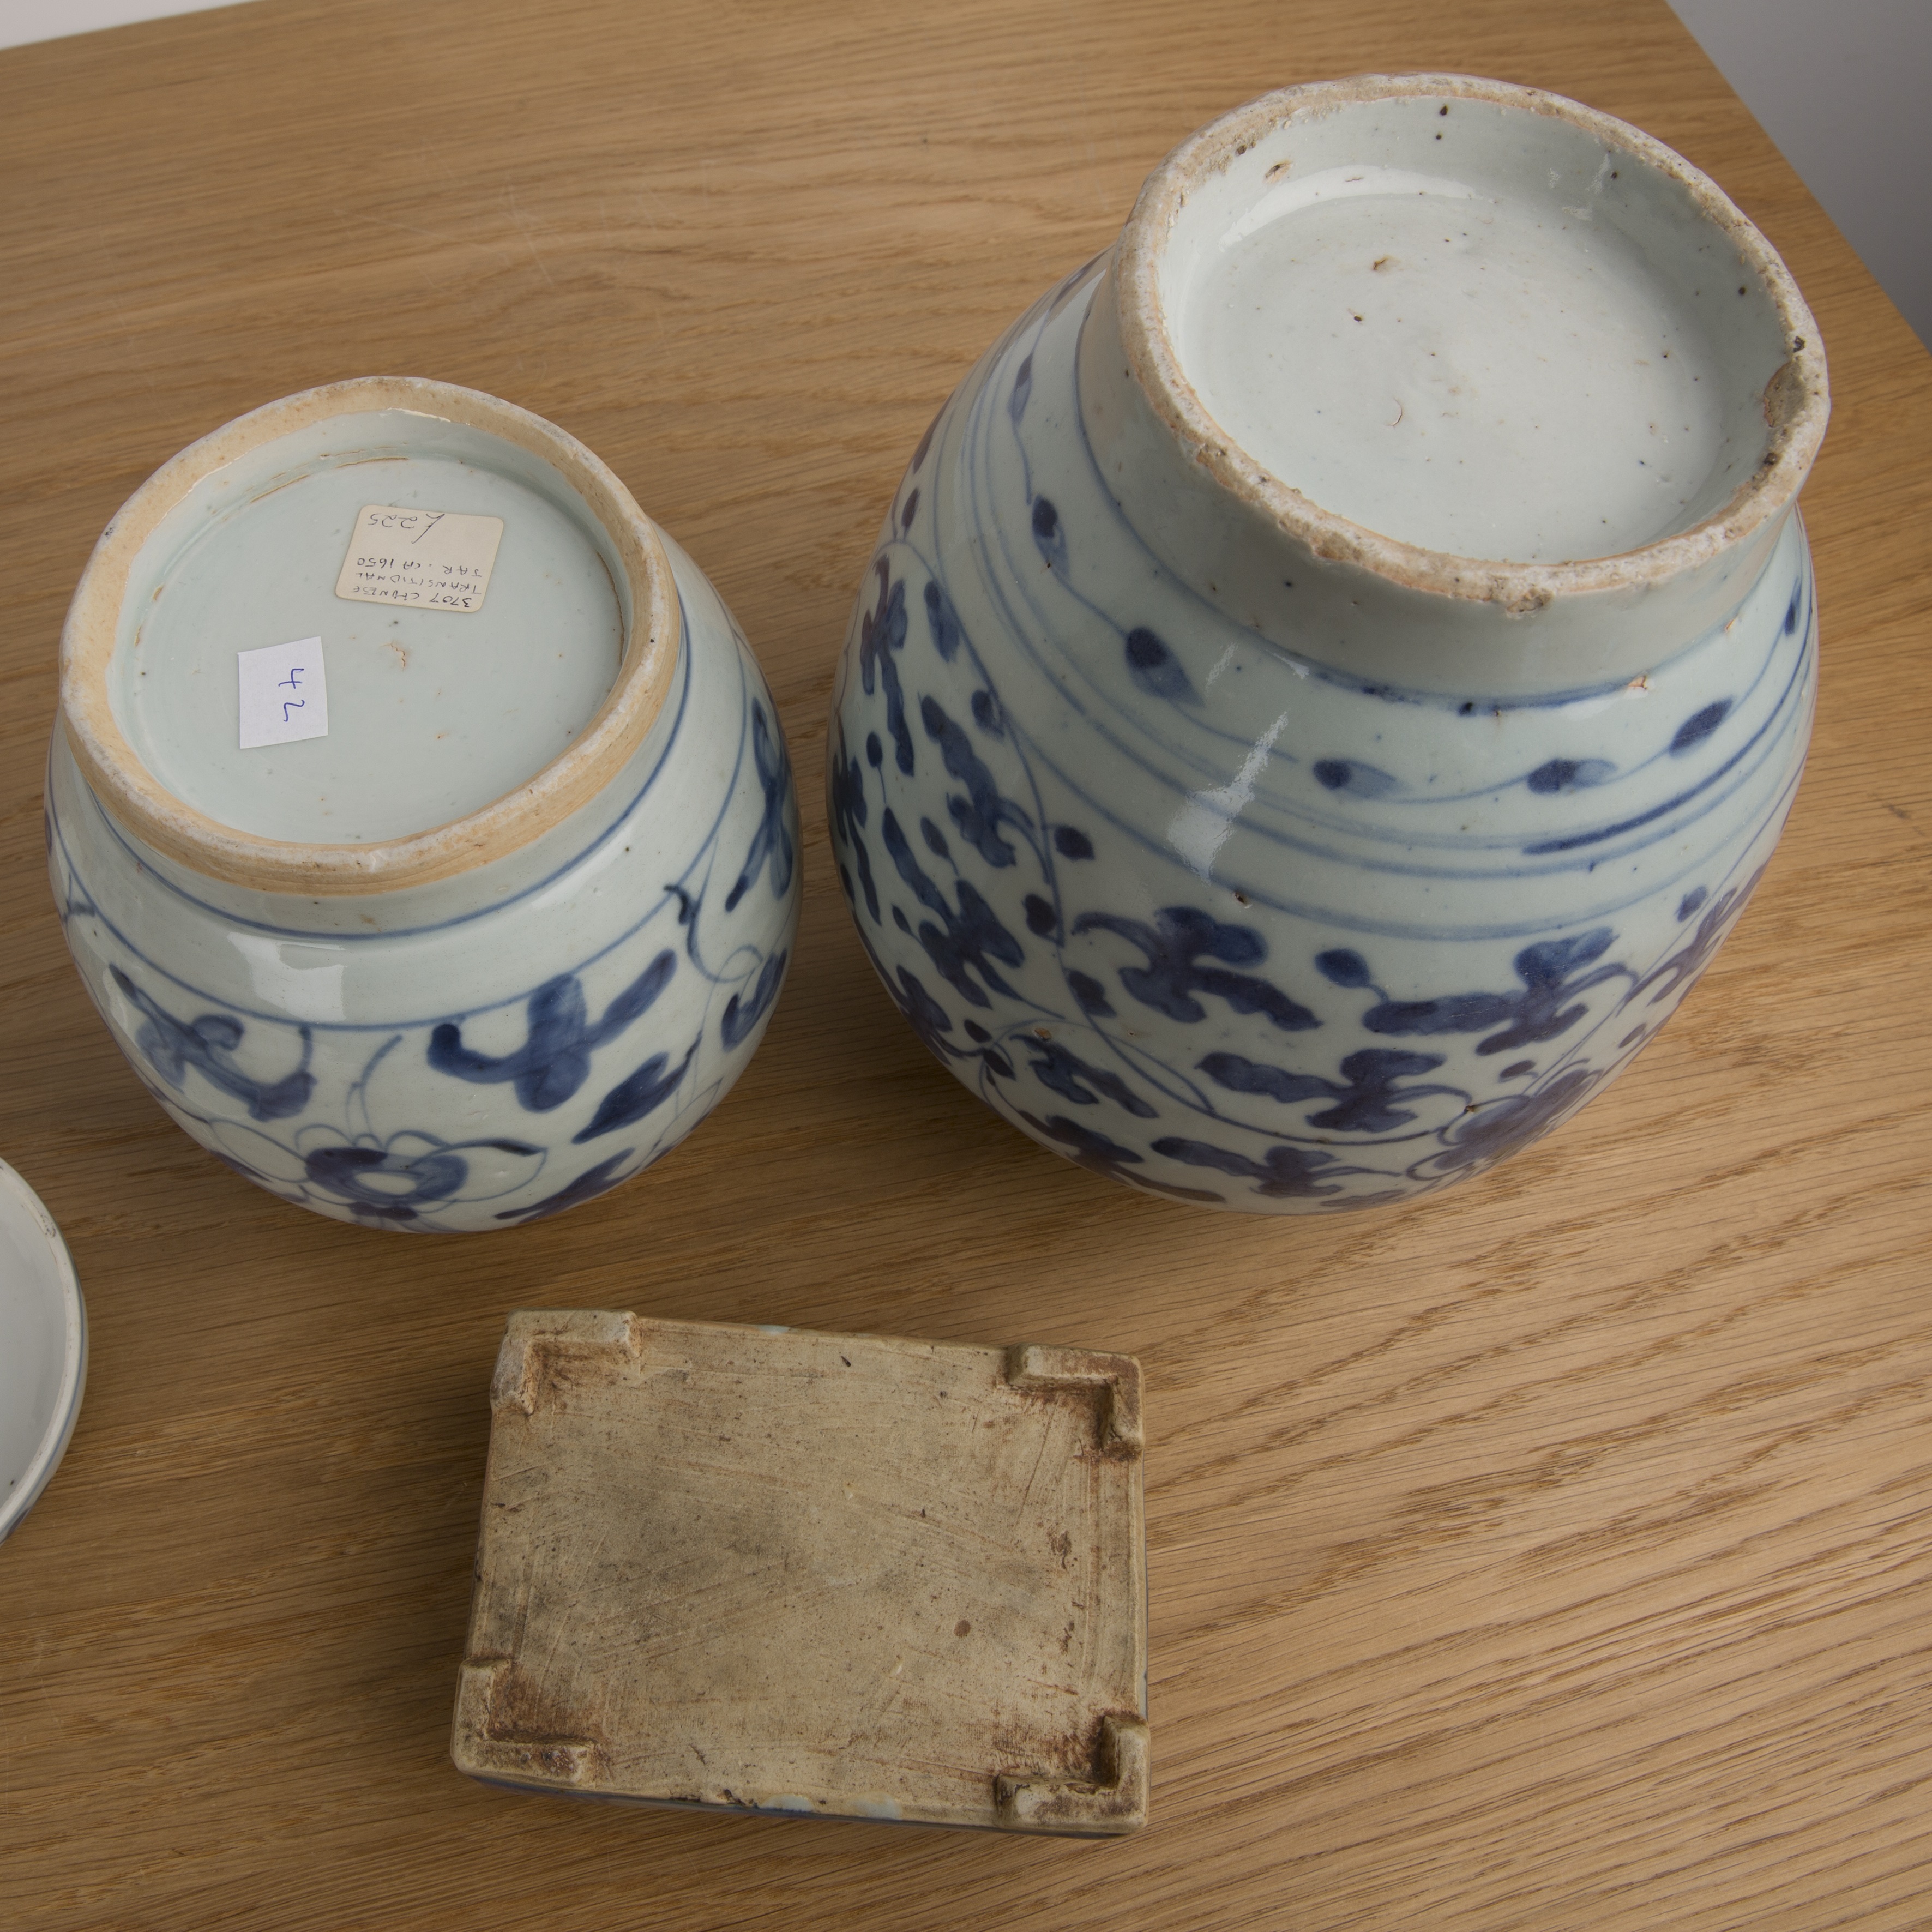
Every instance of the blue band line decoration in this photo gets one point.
(963, 819)
(253, 1086)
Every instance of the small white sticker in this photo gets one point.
(431, 560)
(284, 695)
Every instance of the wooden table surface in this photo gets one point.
(1556, 1553)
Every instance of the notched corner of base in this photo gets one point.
(479, 1749)
(1116, 1378)
(533, 1333)
(1111, 1804)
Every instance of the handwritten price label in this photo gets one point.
(429, 559)
(284, 694)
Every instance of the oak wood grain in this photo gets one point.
(1555, 1553)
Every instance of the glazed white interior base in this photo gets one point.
(432, 714)
(1481, 331)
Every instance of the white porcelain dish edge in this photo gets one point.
(22, 1209)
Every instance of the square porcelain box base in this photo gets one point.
(763, 1569)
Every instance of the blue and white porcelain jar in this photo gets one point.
(1337, 669)
(503, 932)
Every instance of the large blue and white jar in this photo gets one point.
(418, 818)
(1337, 669)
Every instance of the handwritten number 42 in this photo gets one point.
(293, 681)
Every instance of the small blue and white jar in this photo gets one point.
(1337, 669)
(498, 919)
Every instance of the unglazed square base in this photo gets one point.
(766, 1569)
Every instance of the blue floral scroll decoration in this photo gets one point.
(207, 1044)
(395, 1183)
(1175, 944)
(1551, 975)
(554, 1060)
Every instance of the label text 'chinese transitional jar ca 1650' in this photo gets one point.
(419, 820)
(1337, 668)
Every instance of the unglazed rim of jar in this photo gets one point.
(180, 832)
(1797, 399)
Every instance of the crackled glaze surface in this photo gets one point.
(486, 1046)
(1215, 918)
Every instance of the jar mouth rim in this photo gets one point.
(177, 830)
(1796, 402)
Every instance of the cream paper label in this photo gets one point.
(429, 559)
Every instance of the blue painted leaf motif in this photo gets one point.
(848, 814)
(207, 1043)
(882, 634)
(1174, 946)
(1556, 774)
(1049, 538)
(1535, 1014)
(591, 1182)
(554, 1060)
(987, 715)
(971, 936)
(931, 1022)
(924, 1014)
(641, 1093)
(926, 441)
(771, 840)
(1042, 921)
(910, 510)
(1791, 609)
(1698, 726)
(1098, 1154)
(1684, 965)
(935, 840)
(1342, 967)
(1016, 403)
(1498, 1127)
(739, 1021)
(1285, 1173)
(849, 809)
(1070, 842)
(1064, 1073)
(1091, 995)
(1155, 668)
(981, 812)
(1365, 1097)
(1351, 775)
(943, 622)
(1690, 901)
